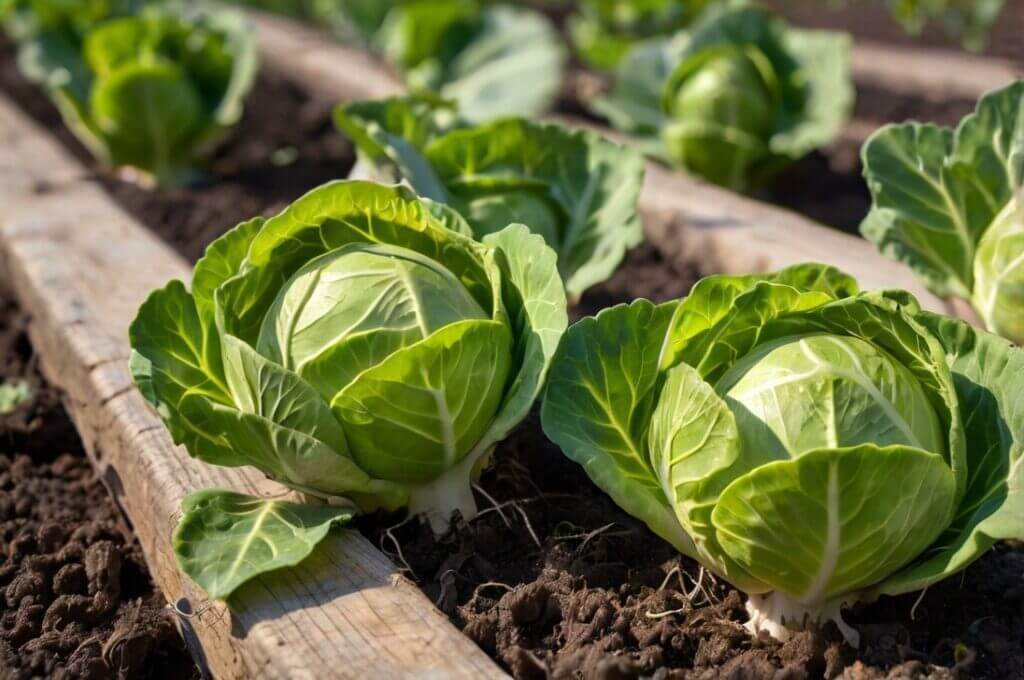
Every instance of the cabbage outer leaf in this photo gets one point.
(537, 307)
(696, 453)
(225, 539)
(597, 408)
(989, 376)
(834, 521)
(936, 190)
(513, 66)
(594, 181)
(422, 409)
(723, 310)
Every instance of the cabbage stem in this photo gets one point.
(451, 491)
(780, 615)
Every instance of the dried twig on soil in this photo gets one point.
(492, 584)
(121, 634)
(675, 571)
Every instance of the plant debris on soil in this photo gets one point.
(76, 600)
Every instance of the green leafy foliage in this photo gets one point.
(71, 19)
(225, 539)
(603, 31)
(353, 346)
(736, 97)
(575, 188)
(152, 90)
(761, 403)
(493, 59)
(948, 204)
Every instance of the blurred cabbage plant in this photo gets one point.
(154, 90)
(492, 58)
(603, 31)
(970, 20)
(734, 99)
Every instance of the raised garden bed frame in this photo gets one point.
(81, 267)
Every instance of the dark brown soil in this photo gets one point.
(284, 145)
(554, 581)
(76, 600)
(646, 272)
(827, 185)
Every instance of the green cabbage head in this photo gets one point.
(734, 98)
(573, 187)
(812, 444)
(154, 91)
(950, 204)
(358, 345)
(999, 272)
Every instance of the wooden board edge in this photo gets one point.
(740, 235)
(80, 266)
(932, 72)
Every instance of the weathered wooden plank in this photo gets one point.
(325, 66)
(933, 72)
(740, 235)
(81, 267)
(737, 234)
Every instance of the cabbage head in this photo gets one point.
(950, 204)
(734, 98)
(357, 347)
(153, 90)
(575, 188)
(812, 444)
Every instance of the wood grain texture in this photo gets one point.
(683, 215)
(327, 67)
(81, 267)
(932, 72)
(738, 235)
